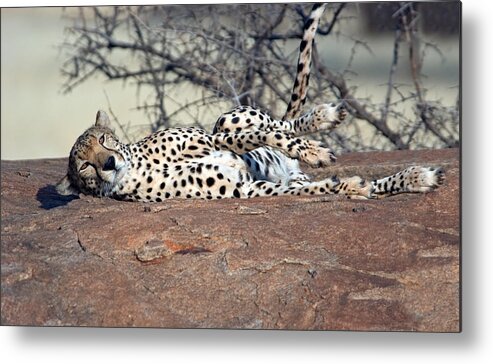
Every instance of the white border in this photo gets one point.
(474, 345)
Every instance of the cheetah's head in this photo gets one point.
(97, 161)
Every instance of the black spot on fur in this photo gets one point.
(303, 45)
(308, 24)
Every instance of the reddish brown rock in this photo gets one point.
(322, 263)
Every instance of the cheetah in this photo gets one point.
(248, 154)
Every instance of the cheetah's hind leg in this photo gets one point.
(415, 179)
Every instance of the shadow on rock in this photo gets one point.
(50, 198)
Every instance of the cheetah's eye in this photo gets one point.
(84, 166)
(101, 139)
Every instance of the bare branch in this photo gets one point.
(393, 67)
(189, 64)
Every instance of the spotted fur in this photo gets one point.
(189, 163)
(249, 154)
(300, 88)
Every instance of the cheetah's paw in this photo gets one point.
(425, 179)
(356, 188)
(317, 154)
(328, 116)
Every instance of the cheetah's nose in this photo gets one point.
(110, 164)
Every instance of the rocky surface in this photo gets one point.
(322, 263)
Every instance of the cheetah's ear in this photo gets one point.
(102, 119)
(65, 188)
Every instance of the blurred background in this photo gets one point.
(396, 65)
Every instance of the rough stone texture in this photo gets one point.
(322, 263)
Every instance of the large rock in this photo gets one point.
(323, 263)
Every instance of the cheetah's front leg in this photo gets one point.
(314, 153)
